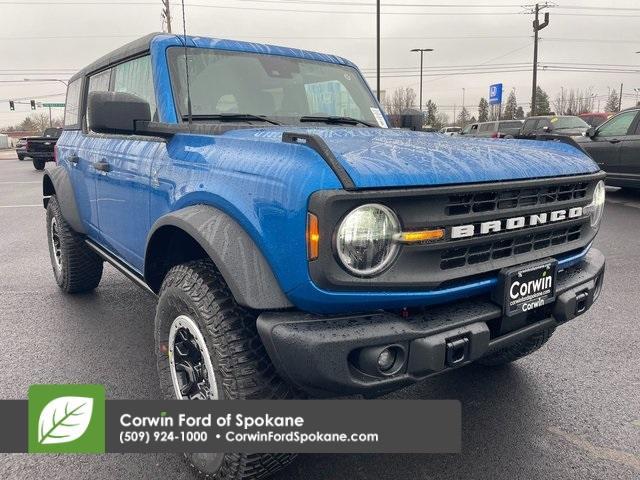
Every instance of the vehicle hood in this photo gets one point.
(377, 157)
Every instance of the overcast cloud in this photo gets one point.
(56, 38)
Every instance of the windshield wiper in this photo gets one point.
(233, 117)
(336, 120)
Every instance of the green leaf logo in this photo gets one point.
(64, 419)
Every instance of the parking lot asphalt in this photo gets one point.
(569, 411)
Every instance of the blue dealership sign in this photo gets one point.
(495, 94)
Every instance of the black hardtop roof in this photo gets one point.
(131, 49)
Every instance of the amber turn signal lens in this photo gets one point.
(313, 237)
(420, 236)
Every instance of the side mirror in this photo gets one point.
(116, 112)
(591, 132)
(546, 129)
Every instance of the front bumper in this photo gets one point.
(327, 355)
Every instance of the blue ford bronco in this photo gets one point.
(297, 245)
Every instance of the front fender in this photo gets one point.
(56, 182)
(239, 260)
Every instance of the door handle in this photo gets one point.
(73, 158)
(614, 140)
(102, 165)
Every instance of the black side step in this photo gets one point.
(120, 266)
(316, 143)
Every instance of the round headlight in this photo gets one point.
(597, 204)
(365, 239)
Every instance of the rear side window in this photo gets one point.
(136, 77)
(72, 105)
(510, 124)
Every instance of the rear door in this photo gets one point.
(123, 182)
(629, 167)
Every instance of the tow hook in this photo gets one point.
(457, 351)
(581, 301)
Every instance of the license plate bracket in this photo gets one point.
(527, 287)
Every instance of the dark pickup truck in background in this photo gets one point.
(41, 149)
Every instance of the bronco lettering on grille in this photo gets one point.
(465, 231)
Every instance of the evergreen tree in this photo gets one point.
(612, 102)
(511, 106)
(519, 113)
(542, 102)
(463, 117)
(483, 110)
(431, 113)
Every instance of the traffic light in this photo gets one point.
(33, 104)
(12, 106)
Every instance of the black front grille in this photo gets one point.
(518, 245)
(470, 203)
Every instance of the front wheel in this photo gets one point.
(76, 267)
(38, 164)
(208, 349)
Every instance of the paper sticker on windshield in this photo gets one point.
(379, 117)
(554, 120)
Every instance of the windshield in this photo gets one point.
(560, 123)
(283, 88)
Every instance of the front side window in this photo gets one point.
(98, 83)
(72, 105)
(278, 87)
(136, 77)
(618, 125)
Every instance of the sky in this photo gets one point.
(476, 42)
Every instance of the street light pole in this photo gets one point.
(378, 49)
(421, 50)
(537, 26)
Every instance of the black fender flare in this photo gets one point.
(56, 182)
(232, 250)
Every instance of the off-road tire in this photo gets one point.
(20, 157)
(38, 164)
(519, 350)
(81, 268)
(241, 364)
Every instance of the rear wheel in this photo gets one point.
(519, 350)
(76, 267)
(20, 157)
(38, 164)
(208, 348)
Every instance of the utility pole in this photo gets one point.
(421, 50)
(620, 101)
(537, 26)
(377, 49)
(166, 13)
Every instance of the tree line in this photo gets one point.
(567, 102)
(36, 122)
